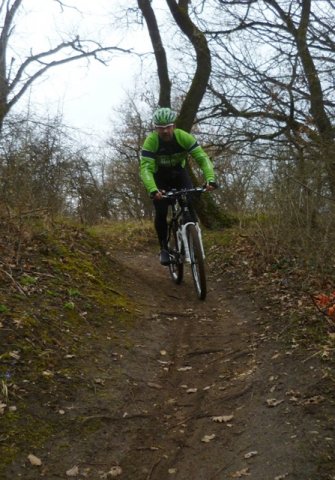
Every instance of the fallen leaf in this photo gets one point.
(14, 354)
(114, 472)
(184, 369)
(273, 402)
(223, 418)
(172, 471)
(294, 399)
(154, 385)
(251, 454)
(313, 400)
(34, 460)
(99, 381)
(241, 473)
(2, 408)
(73, 472)
(191, 390)
(208, 438)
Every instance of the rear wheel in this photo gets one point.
(176, 266)
(197, 262)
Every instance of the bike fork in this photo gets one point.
(185, 241)
(197, 226)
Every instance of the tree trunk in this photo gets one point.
(317, 103)
(159, 51)
(208, 211)
(202, 73)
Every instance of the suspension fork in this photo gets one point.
(183, 229)
(197, 226)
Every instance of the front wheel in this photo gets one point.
(197, 262)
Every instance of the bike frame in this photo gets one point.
(177, 213)
(185, 240)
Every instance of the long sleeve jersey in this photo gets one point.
(158, 154)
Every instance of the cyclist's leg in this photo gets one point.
(161, 209)
(165, 180)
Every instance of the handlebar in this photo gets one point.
(185, 191)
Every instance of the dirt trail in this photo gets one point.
(194, 391)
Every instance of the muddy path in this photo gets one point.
(190, 390)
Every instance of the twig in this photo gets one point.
(153, 468)
(17, 285)
(198, 416)
(206, 352)
(174, 314)
(217, 472)
(115, 419)
(184, 420)
(152, 449)
(311, 356)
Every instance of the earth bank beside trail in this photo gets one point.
(114, 371)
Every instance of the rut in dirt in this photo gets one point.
(218, 392)
(188, 390)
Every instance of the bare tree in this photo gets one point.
(181, 14)
(182, 17)
(36, 164)
(15, 80)
(129, 197)
(272, 71)
(159, 51)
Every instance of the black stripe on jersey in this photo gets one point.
(195, 145)
(147, 153)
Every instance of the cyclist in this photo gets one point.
(162, 167)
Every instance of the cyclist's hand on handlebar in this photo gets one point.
(210, 186)
(158, 195)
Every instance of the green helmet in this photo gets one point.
(164, 116)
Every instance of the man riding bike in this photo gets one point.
(162, 168)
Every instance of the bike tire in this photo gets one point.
(197, 262)
(176, 266)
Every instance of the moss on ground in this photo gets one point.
(65, 293)
(65, 286)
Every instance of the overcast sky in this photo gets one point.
(84, 95)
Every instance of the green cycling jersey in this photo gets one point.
(157, 154)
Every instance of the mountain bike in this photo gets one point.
(185, 240)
